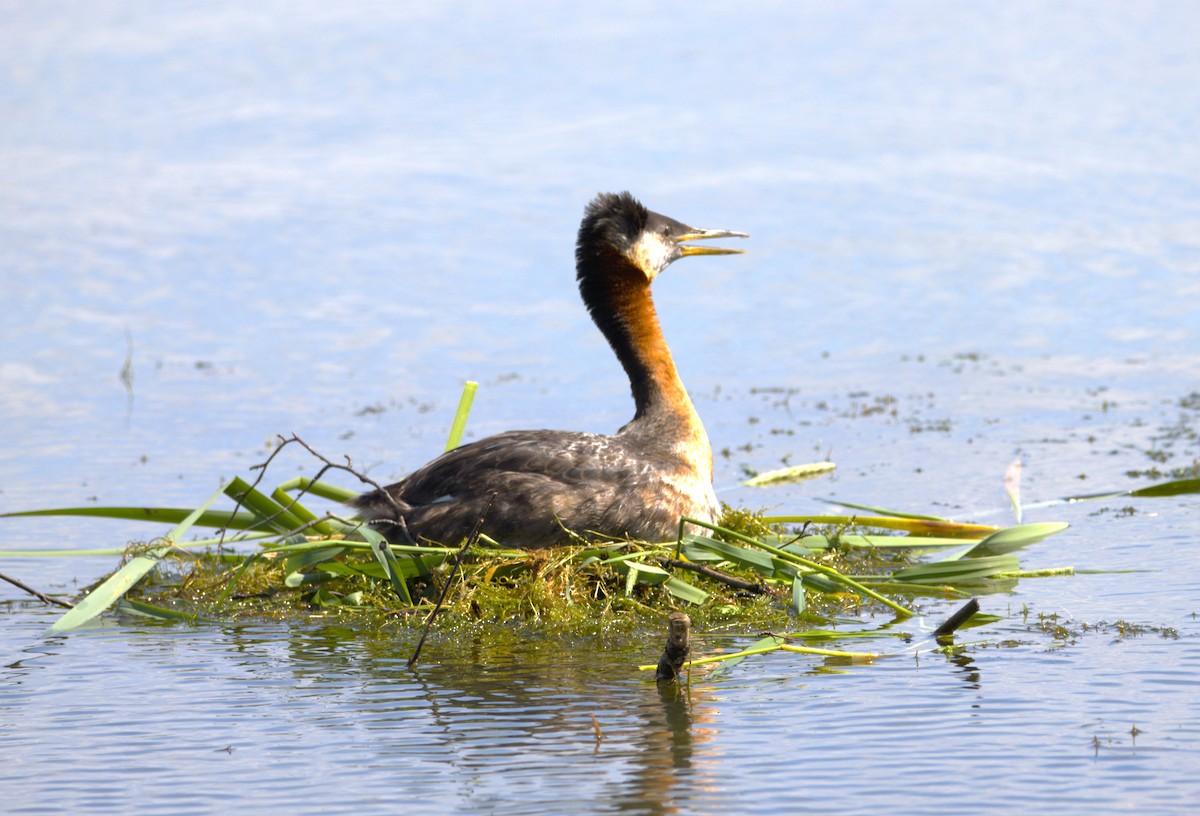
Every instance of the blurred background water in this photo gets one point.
(976, 237)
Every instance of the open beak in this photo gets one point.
(694, 234)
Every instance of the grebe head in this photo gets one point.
(617, 222)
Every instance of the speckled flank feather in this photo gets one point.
(637, 482)
(544, 481)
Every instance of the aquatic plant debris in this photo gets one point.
(271, 554)
(353, 570)
(790, 475)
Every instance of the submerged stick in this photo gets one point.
(472, 539)
(40, 596)
(716, 575)
(957, 619)
(679, 627)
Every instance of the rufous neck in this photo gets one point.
(618, 297)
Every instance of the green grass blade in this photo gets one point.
(105, 595)
(791, 558)
(915, 526)
(770, 643)
(232, 582)
(158, 612)
(694, 551)
(752, 558)
(884, 583)
(186, 545)
(883, 511)
(955, 572)
(323, 489)
(291, 545)
(789, 475)
(799, 599)
(270, 512)
(642, 573)
(160, 515)
(306, 516)
(684, 591)
(820, 583)
(880, 542)
(1014, 538)
(390, 565)
(309, 558)
(1174, 488)
(121, 581)
(460, 416)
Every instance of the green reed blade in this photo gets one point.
(792, 558)
(789, 475)
(323, 489)
(121, 581)
(751, 558)
(128, 605)
(389, 563)
(958, 571)
(160, 515)
(878, 542)
(199, 544)
(641, 573)
(684, 591)
(306, 516)
(946, 529)
(799, 598)
(460, 416)
(1175, 488)
(1014, 538)
(882, 511)
(270, 512)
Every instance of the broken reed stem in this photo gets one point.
(679, 628)
(957, 619)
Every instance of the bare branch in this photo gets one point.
(40, 596)
(716, 575)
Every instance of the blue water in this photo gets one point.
(975, 237)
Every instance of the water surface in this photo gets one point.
(976, 237)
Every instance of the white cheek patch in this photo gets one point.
(652, 254)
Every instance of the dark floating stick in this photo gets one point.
(716, 575)
(39, 595)
(679, 628)
(957, 619)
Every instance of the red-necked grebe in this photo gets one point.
(637, 482)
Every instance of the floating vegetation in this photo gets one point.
(750, 568)
(790, 475)
(272, 555)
